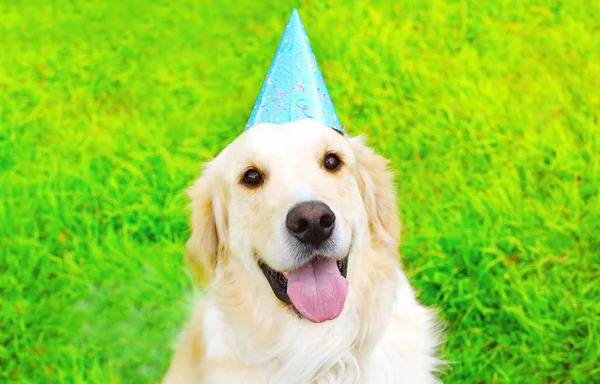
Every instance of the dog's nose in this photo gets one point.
(311, 222)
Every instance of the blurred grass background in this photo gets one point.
(488, 110)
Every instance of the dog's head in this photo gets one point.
(290, 204)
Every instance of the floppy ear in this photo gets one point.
(206, 245)
(376, 184)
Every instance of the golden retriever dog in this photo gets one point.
(296, 227)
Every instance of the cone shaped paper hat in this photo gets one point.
(294, 88)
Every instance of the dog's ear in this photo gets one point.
(376, 184)
(207, 242)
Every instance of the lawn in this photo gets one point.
(489, 112)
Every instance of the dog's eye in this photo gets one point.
(332, 162)
(252, 177)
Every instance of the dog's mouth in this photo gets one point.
(315, 291)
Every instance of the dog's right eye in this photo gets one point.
(332, 162)
(252, 177)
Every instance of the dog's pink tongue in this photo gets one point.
(318, 290)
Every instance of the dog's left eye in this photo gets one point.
(332, 162)
(252, 177)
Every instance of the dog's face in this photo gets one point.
(289, 201)
(292, 194)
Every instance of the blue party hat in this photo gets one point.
(294, 88)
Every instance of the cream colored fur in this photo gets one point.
(240, 332)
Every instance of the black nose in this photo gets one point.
(311, 222)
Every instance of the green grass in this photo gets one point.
(489, 111)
